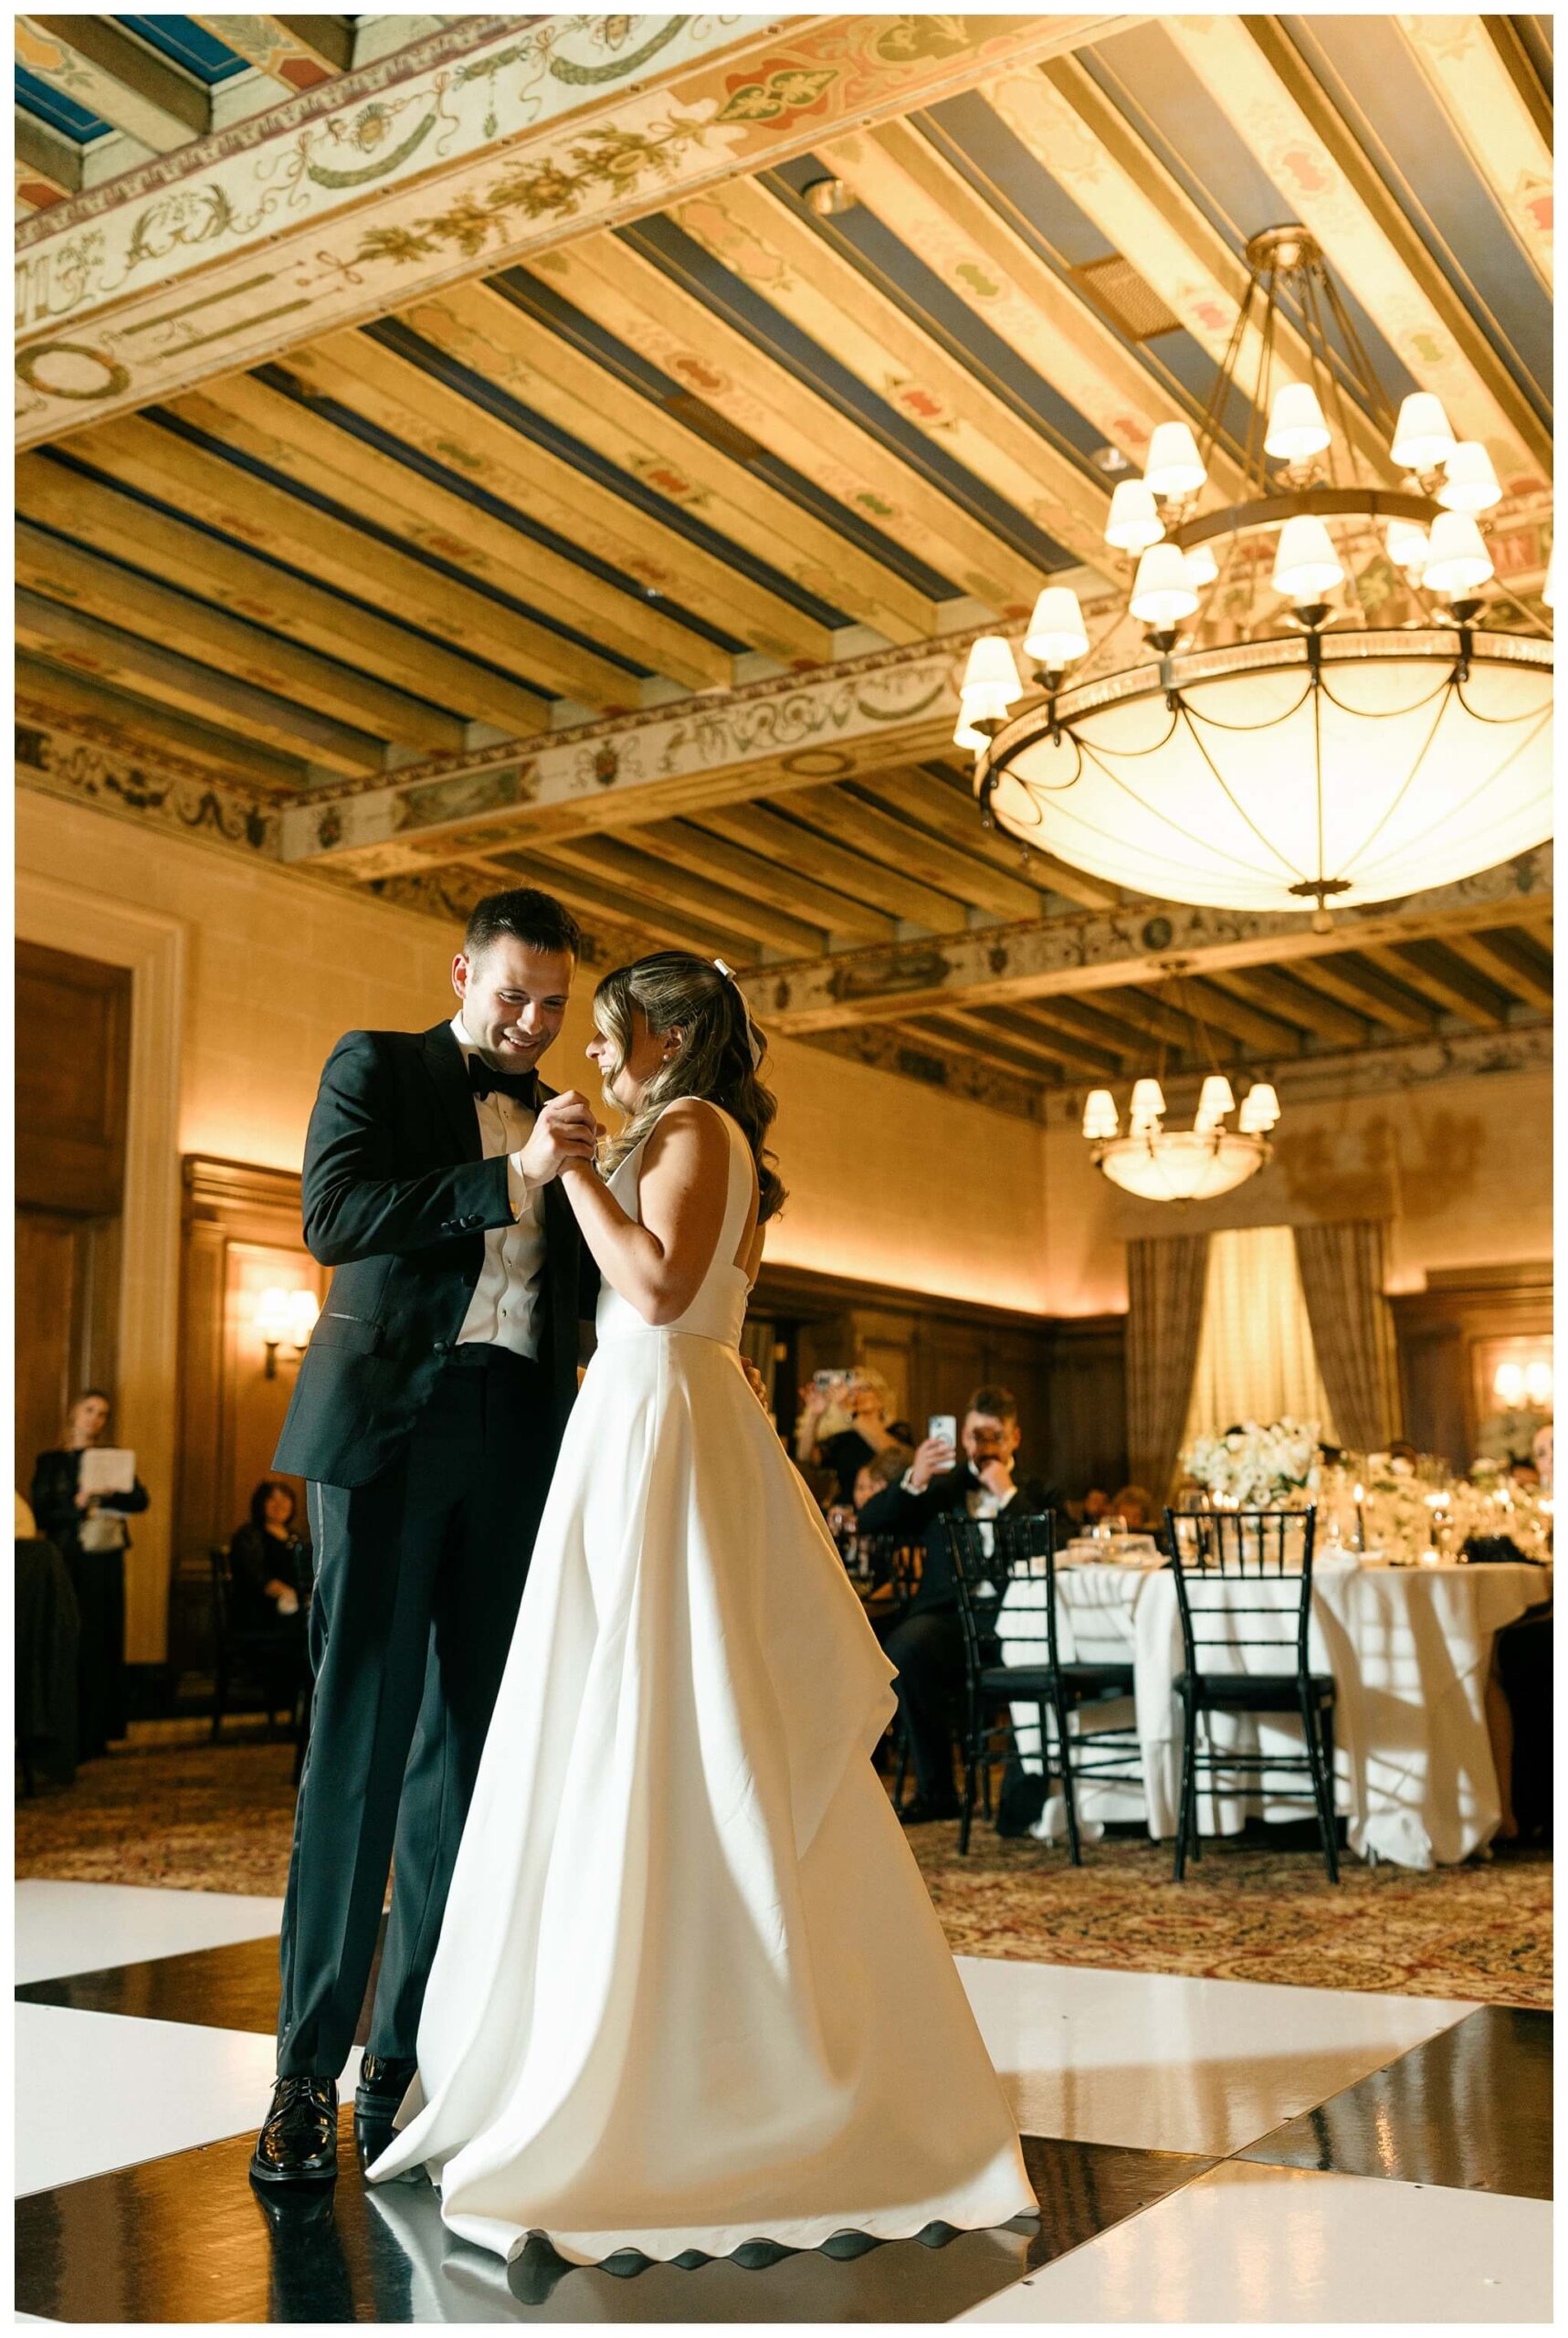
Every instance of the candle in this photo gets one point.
(1429, 1558)
(1359, 1522)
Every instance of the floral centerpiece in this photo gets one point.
(1419, 1516)
(1258, 1467)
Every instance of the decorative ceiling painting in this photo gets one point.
(459, 449)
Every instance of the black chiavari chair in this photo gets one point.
(1224, 1562)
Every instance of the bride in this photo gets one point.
(691, 1992)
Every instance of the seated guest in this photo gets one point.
(843, 1424)
(1134, 1505)
(1091, 1509)
(267, 1563)
(883, 1469)
(927, 1642)
(90, 1534)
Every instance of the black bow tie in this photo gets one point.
(523, 1087)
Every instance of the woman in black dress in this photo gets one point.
(89, 1532)
(269, 1567)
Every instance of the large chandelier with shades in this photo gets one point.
(1274, 747)
(1195, 1164)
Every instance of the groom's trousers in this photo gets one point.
(418, 1577)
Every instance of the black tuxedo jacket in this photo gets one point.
(896, 1511)
(398, 1198)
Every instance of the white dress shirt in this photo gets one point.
(505, 1309)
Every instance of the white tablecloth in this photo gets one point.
(1409, 1649)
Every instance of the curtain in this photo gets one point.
(1255, 1360)
(1342, 1275)
(1164, 1315)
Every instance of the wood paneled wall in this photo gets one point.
(1443, 1335)
(72, 1068)
(1067, 1374)
(241, 1233)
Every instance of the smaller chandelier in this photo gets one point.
(1161, 1164)
(1195, 1164)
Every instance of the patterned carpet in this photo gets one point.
(175, 1809)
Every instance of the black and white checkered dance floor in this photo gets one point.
(1203, 2150)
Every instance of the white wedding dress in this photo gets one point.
(690, 1991)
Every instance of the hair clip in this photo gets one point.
(752, 1033)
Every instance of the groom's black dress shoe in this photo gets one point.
(298, 2143)
(384, 2080)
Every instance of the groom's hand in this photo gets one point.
(564, 1132)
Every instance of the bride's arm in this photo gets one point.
(657, 1267)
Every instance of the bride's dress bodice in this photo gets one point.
(719, 1308)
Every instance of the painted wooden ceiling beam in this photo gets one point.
(1294, 131)
(114, 77)
(487, 142)
(1361, 987)
(683, 889)
(144, 732)
(950, 812)
(1430, 970)
(370, 485)
(794, 890)
(264, 41)
(402, 399)
(920, 198)
(594, 893)
(63, 571)
(1062, 117)
(496, 340)
(1504, 959)
(94, 513)
(1466, 61)
(1099, 951)
(224, 496)
(762, 238)
(72, 638)
(771, 833)
(623, 291)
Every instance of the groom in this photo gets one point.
(426, 1417)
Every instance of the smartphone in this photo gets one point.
(945, 1426)
(828, 1379)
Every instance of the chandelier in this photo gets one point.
(1195, 1164)
(1275, 747)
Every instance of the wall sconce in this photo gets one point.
(1524, 1381)
(285, 1315)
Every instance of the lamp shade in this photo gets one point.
(992, 667)
(1469, 483)
(1175, 467)
(1459, 559)
(1133, 523)
(1202, 566)
(304, 1309)
(1423, 437)
(1306, 565)
(1296, 424)
(1259, 1108)
(1101, 1117)
(1408, 546)
(1147, 1100)
(1057, 635)
(1214, 1100)
(272, 1314)
(1162, 591)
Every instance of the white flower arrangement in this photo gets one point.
(1254, 1466)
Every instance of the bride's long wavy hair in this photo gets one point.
(675, 988)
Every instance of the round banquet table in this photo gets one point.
(1409, 1649)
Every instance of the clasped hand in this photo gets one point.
(564, 1133)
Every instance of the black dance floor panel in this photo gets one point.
(188, 2238)
(231, 1987)
(1471, 2109)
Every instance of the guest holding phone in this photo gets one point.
(88, 1529)
(927, 1643)
(843, 1425)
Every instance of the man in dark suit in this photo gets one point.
(427, 1419)
(927, 1643)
